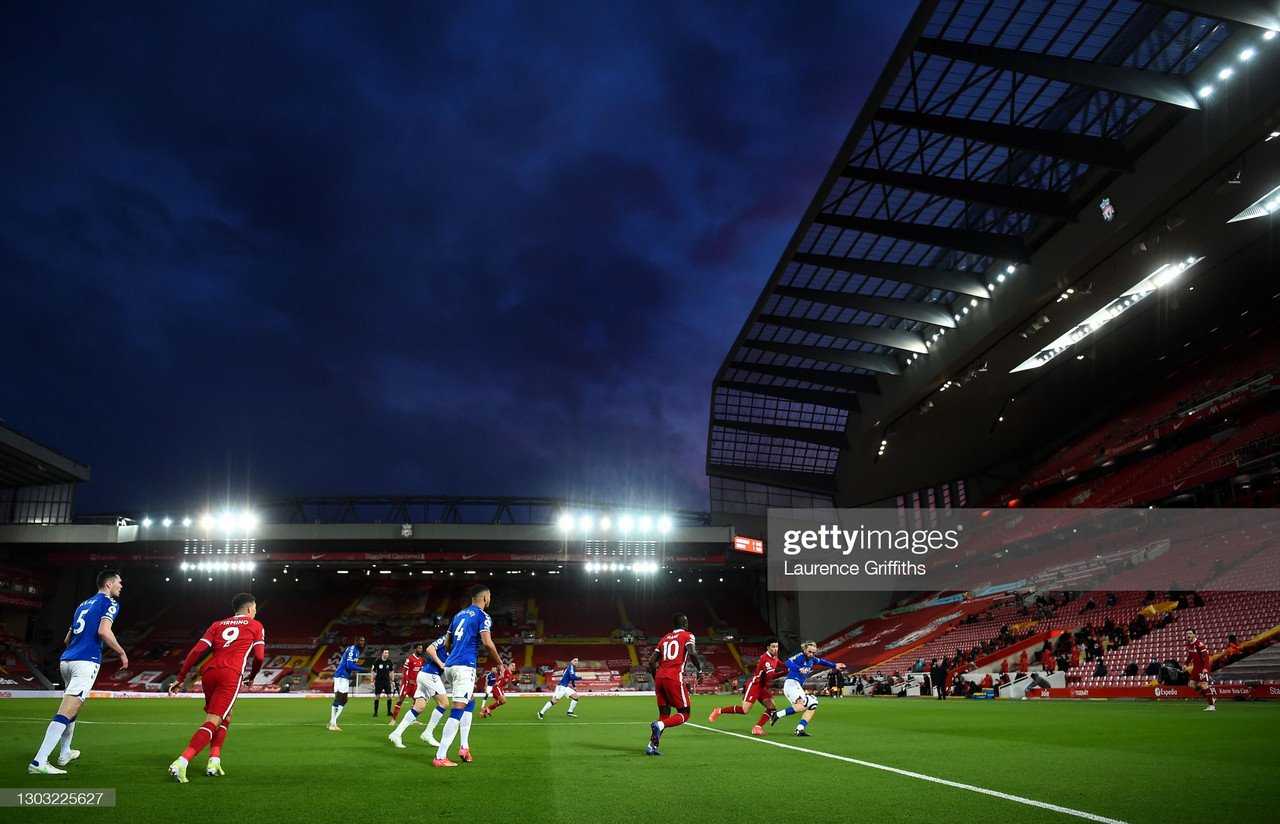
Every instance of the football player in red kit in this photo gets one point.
(506, 678)
(1197, 664)
(767, 669)
(666, 665)
(232, 640)
(408, 680)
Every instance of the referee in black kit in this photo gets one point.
(382, 669)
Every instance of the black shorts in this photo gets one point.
(381, 686)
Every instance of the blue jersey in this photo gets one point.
(465, 629)
(348, 666)
(491, 679)
(429, 666)
(85, 644)
(570, 676)
(799, 667)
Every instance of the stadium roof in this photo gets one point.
(24, 462)
(993, 130)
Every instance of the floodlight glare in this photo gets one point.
(248, 521)
(1225, 73)
(1132, 297)
(146, 522)
(1247, 55)
(664, 524)
(625, 523)
(566, 522)
(605, 523)
(186, 522)
(1263, 206)
(1204, 92)
(584, 523)
(646, 523)
(167, 521)
(206, 520)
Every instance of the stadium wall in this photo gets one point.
(822, 614)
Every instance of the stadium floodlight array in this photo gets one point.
(1134, 295)
(1263, 206)
(218, 566)
(626, 524)
(639, 567)
(959, 316)
(227, 521)
(1225, 73)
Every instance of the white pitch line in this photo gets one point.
(921, 776)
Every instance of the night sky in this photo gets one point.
(468, 248)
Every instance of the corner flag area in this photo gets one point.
(879, 760)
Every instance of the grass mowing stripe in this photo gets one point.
(1044, 805)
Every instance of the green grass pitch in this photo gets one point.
(1125, 761)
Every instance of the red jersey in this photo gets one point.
(232, 640)
(409, 670)
(1198, 657)
(672, 650)
(767, 668)
(505, 679)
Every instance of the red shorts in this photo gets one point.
(756, 691)
(671, 691)
(221, 686)
(409, 687)
(497, 694)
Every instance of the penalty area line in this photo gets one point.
(1031, 802)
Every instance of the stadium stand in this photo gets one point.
(1186, 411)
(1244, 614)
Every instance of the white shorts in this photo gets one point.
(488, 690)
(794, 691)
(79, 677)
(429, 686)
(462, 682)
(562, 691)
(341, 685)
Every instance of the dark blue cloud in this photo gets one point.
(490, 248)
